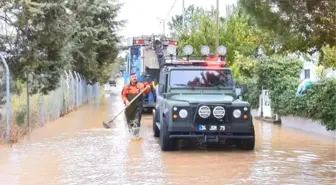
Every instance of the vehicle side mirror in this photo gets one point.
(161, 88)
(243, 88)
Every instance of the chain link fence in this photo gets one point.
(36, 110)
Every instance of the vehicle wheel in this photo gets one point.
(247, 144)
(156, 130)
(166, 143)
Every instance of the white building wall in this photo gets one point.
(309, 69)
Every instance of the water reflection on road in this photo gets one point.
(76, 149)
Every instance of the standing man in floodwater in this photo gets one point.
(129, 92)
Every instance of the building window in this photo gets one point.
(307, 73)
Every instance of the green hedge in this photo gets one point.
(318, 103)
(280, 75)
(252, 96)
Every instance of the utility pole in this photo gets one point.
(217, 24)
(183, 14)
(164, 27)
(163, 21)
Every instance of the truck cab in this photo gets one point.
(197, 99)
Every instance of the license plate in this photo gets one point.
(211, 128)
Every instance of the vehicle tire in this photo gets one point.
(247, 144)
(166, 143)
(156, 131)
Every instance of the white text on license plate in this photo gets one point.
(211, 127)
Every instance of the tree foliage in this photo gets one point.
(328, 57)
(304, 25)
(243, 67)
(238, 33)
(47, 37)
(280, 75)
(279, 28)
(175, 25)
(201, 34)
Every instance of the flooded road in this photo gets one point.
(76, 149)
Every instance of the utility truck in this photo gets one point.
(144, 56)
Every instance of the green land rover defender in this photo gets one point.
(198, 100)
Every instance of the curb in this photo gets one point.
(269, 120)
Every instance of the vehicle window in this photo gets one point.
(201, 78)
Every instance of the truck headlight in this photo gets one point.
(236, 113)
(183, 113)
(219, 112)
(204, 111)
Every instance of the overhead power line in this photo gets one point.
(163, 21)
(171, 9)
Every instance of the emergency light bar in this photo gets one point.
(205, 50)
(172, 42)
(197, 62)
(139, 42)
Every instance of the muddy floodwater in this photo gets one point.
(76, 149)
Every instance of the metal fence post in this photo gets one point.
(72, 90)
(66, 96)
(28, 101)
(80, 88)
(77, 99)
(7, 97)
(41, 106)
(51, 106)
(85, 90)
(61, 96)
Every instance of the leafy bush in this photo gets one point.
(281, 76)
(321, 101)
(271, 73)
(243, 66)
(328, 57)
(281, 94)
(253, 91)
(20, 115)
(318, 103)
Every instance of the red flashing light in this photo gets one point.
(213, 58)
(172, 42)
(139, 42)
(216, 63)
